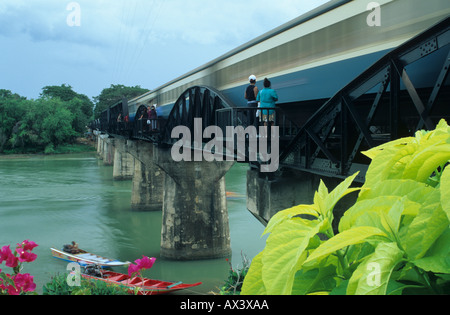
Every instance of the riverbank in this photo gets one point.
(81, 145)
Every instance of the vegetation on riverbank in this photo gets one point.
(52, 123)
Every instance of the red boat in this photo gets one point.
(142, 286)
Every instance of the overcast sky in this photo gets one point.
(130, 42)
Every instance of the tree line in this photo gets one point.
(57, 117)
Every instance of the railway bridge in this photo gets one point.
(344, 87)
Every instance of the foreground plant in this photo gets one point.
(17, 283)
(140, 265)
(236, 276)
(394, 240)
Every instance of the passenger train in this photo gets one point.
(309, 58)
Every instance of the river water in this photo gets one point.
(53, 200)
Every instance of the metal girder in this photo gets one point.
(195, 102)
(351, 106)
(436, 90)
(322, 146)
(414, 95)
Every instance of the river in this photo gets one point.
(53, 200)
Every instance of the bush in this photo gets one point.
(236, 276)
(394, 240)
(58, 286)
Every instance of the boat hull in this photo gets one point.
(140, 286)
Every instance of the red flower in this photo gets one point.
(25, 256)
(25, 282)
(28, 245)
(141, 264)
(7, 255)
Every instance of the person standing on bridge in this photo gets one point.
(153, 116)
(267, 98)
(250, 95)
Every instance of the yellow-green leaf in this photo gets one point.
(445, 191)
(253, 283)
(284, 253)
(424, 230)
(373, 275)
(353, 236)
(288, 214)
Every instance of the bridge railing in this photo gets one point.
(257, 117)
(248, 117)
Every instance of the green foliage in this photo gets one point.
(58, 286)
(236, 276)
(45, 122)
(79, 105)
(394, 240)
(114, 94)
(58, 117)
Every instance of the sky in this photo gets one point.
(91, 44)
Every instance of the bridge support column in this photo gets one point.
(100, 145)
(123, 161)
(195, 217)
(108, 151)
(266, 198)
(148, 180)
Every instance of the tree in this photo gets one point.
(79, 104)
(114, 94)
(64, 92)
(12, 110)
(47, 122)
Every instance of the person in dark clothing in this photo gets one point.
(153, 116)
(250, 95)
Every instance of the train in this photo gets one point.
(307, 59)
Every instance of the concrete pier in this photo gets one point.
(123, 161)
(195, 216)
(148, 178)
(288, 189)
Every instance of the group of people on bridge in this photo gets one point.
(150, 115)
(263, 100)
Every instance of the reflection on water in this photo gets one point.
(55, 200)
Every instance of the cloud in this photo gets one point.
(104, 21)
(132, 42)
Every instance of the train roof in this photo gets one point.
(329, 6)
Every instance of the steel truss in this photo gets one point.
(380, 105)
(196, 102)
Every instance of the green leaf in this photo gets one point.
(426, 161)
(383, 165)
(285, 252)
(373, 153)
(437, 259)
(445, 189)
(315, 280)
(320, 198)
(253, 283)
(414, 190)
(353, 236)
(425, 229)
(338, 193)
(373, 275)
(358, 214)
(288, 214)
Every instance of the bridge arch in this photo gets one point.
(195, 102)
